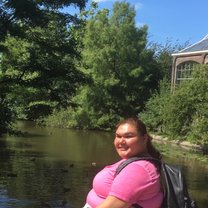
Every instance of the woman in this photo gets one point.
(139, 182)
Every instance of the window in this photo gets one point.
(184, 71)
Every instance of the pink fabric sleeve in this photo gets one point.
(136, 182)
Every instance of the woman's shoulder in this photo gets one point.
(143, 166)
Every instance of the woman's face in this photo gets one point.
(128, 142)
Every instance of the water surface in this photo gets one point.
(51, 167)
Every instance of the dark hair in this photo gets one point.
(142, 130)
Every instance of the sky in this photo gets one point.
(178, 21)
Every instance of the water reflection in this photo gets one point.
(53, 167)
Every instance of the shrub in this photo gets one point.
(182, 115)
(153, 115)
(188, 106)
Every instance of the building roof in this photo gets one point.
(200, 46)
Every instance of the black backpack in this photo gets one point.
(173, 182)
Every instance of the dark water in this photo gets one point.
(49, 167)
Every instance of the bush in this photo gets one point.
(80, 119)
(182, 115)
(188, 106)
(153, 115)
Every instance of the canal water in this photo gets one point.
(51, 167)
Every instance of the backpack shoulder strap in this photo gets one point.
(133, 159)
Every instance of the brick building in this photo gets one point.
(184, 60)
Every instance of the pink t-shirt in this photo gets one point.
(137, 183)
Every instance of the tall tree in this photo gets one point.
(38, 48)
(122, 70)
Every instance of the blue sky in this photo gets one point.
(174, 20)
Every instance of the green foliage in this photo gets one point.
(153, 114)
(90, 113)
(199, 125)
(58, 118)
(39, 54)
(121, 70)
(14, 61)
(6, 116)
(189, 105)
(183, 115)
(199, 128)
(45, 60)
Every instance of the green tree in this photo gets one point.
(121, 70)
(44, 61)
(39, 50)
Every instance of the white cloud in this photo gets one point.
(138, 6)
(139, 24)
